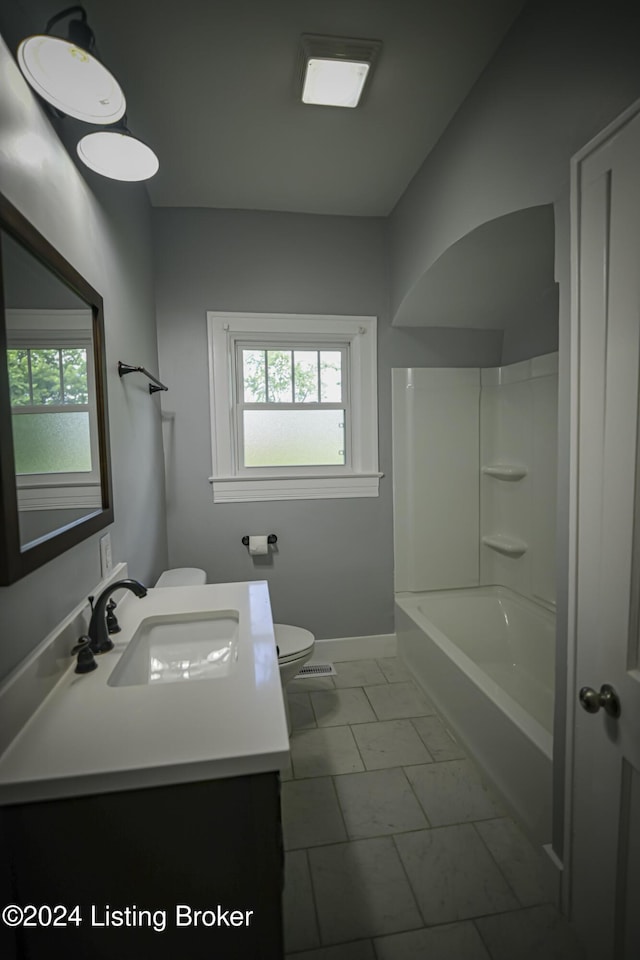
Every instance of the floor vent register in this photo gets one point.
(316, 670)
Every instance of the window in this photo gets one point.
(53, 408)
(293, 406)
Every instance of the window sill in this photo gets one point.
(58, 496)
(243, 489)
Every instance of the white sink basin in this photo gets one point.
(175, 647)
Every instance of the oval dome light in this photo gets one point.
(118, 155)
(71, 79)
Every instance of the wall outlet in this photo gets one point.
(106, 560)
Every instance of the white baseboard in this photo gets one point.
(354, 648)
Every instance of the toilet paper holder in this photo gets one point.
(270, 539)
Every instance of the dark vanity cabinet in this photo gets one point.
(139, 865)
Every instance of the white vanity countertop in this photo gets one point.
(89, 737)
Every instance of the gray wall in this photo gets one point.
(563, 71)
(103, 229)
(536, 330)
(333, 571)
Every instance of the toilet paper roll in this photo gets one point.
(258, 546)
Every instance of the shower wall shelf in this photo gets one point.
(509, 546)
(505, 471)
(154, 386)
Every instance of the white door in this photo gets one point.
(605, 831)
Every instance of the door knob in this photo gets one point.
(591, 700)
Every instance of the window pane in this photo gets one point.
(279, 387)
(305, 366)
(254, 376)
(51, 442)
(74, 376)
(18, 364)
(330, 376)
(45, 376)
(293, 438)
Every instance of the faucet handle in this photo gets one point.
(112, 624)
(86, 660)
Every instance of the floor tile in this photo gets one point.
(316, 753)
(336, 707)
(310, 813)
(361, 890)
(310, 684)
(537, 933)
(397, 700)
(394, 669)
(357, 673)
(286, 773)
(300, 925)
(455, 941)
(437, 739)
(360, 950)
(300, 711)
(452, 792)
(522, 865)
(390, 743)
(378, 803)
(453, 875)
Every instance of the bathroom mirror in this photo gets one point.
(55, 478)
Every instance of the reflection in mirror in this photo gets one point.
(60, 483)
(53, 401)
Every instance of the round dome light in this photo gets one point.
(118, 155)
(71, 79)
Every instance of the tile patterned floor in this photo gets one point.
(395, 849)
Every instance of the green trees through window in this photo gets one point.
(47, 375)
(292, 376)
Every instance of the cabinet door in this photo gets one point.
(141, 864)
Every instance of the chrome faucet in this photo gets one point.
(99, 641)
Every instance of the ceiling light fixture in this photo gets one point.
(333, 70)
(66, 73)
(117, 154)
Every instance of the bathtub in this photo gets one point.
(485, 658)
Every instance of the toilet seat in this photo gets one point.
(293, 642)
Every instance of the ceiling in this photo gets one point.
(211, 87)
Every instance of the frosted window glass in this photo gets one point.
(51, 442)
(330, 376)
(293, 438)
(305, 365)
(279, 385)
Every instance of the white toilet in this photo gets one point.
(182, 577)
(295, 646)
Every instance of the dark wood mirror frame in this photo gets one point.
(14, 561)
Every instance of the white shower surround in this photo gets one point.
(474, 507)
(519, 428)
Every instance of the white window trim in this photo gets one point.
(361, 479)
